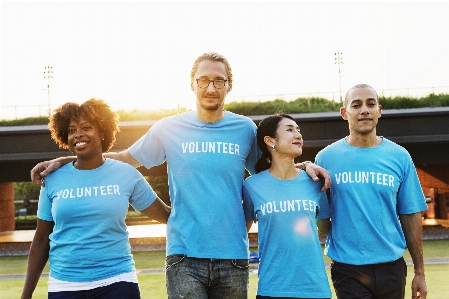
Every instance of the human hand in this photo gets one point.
(39, 171)
(419, 287)
(315, 171)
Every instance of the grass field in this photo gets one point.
(153, 285)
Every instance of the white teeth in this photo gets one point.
(80, 143)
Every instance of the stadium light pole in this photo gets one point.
(339, 61)
(48, 70)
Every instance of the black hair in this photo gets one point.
(268, 127)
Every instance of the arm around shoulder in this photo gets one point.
(123, 156)
(40, 171)
(315, 171)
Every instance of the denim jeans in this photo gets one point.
(198, 278)
(118, 290)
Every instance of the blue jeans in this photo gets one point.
(118, 290)
(198, 278)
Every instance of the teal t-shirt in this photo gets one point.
(90, 240)
(206, 167)
(370, 188)
(291, 258)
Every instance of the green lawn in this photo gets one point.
(153, 285)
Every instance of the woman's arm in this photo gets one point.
(158, 211)
(38, 257)
(316, 172)
(324, 226)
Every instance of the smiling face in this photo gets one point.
(288, 139)
(362, 111)
(84, 138)
(210, 98)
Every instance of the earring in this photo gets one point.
(272, 146)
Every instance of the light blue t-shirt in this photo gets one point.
(90, 241)
(370, 188)
(291, 259)
(206, 166)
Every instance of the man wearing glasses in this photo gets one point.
(206, 151)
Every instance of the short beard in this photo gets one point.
(211, 107)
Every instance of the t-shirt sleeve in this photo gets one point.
(248, 205)
(44, 206)
(253, 155)
(149, 150)
(324, 211)
(143, 195)
(410, 195)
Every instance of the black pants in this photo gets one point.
(377, 281)
(268, 297)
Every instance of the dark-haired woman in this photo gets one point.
(82, 208)
(288, 205)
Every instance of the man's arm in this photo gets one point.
(39, 171)
(38, 257)
(123, 156)
(158, 211)
(412, 228)
(315, 171)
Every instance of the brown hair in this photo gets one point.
(212, 56)
(96, 110)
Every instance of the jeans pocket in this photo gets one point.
(173, 260)
(240, 264)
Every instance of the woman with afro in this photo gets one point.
(82, 208)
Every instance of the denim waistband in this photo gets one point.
(210, 259)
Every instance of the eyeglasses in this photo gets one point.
(204, 83)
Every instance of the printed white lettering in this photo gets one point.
(391, 181)
(291, 205)
(87, 191)
(283, 208)
(286, 206)
(364, 177)
(212, 147)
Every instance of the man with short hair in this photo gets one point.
(207, 151)
(375, 200)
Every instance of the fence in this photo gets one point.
(17, 112)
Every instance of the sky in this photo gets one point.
(139, 54)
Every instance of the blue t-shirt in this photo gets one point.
(90, 241)
(291, 259)
(370, 188)
(206, 167)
